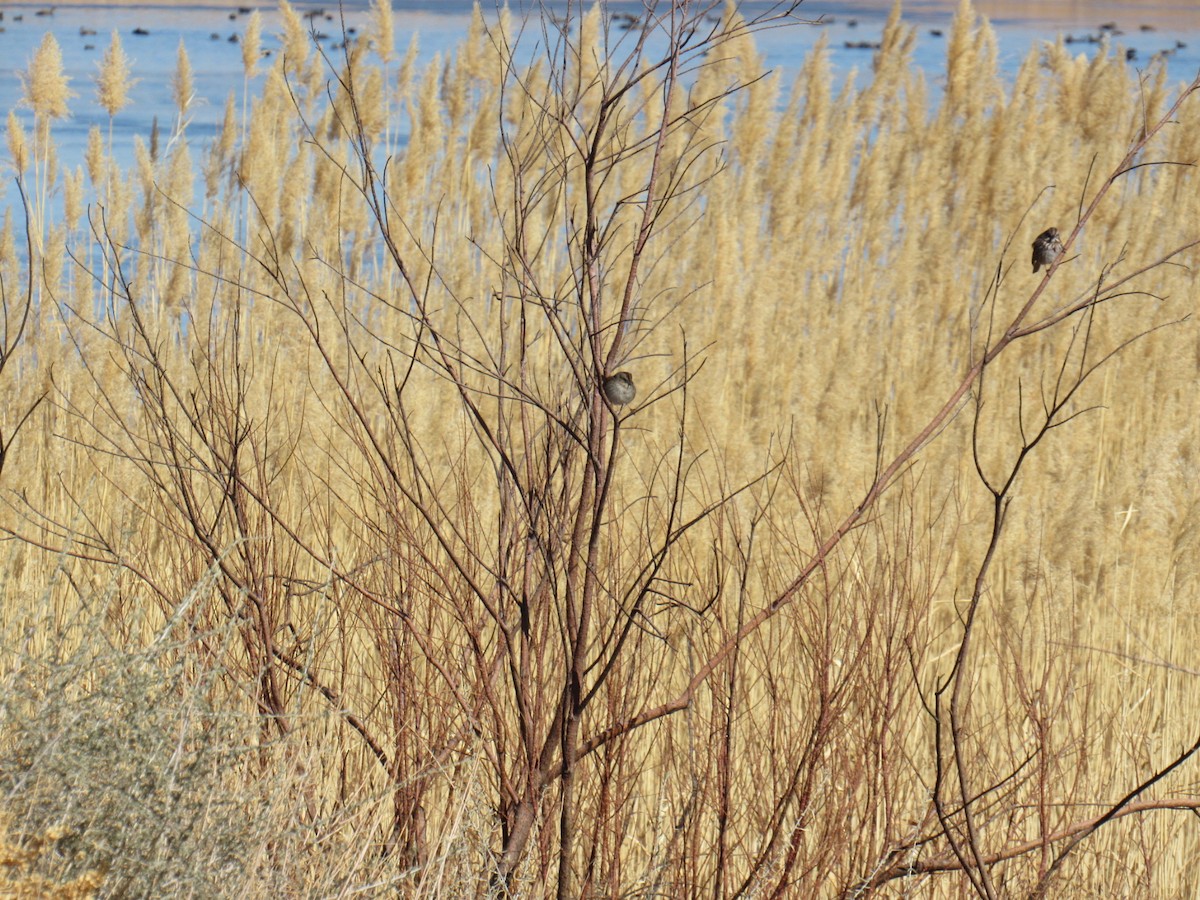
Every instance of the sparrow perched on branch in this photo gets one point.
(619, 388)
(1046, 248)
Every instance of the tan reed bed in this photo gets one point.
(320, 528)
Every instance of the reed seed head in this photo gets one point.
(46, 91)
(114, 80)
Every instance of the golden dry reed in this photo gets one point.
(18, 866)
(269, 450)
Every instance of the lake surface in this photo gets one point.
(209, 32)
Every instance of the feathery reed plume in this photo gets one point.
(73, 198)
(372, 103)
(114, 81)
(404, 78)
(295, 40)
(383, 38)
(18, 144)
(183, 84)
(221, 153)
(53, 267)
(45, 85)
(144, 218)
(8, 245)
(252, 44)
(95, 158)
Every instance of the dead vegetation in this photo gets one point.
(318, 513)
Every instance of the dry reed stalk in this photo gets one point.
(842, 262)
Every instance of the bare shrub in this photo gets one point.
(824, 610)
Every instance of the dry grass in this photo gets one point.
(280, 619)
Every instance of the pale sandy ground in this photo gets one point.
(1129, 14)
(1085, 13)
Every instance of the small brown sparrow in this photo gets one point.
(1046, 248)
(619, 388)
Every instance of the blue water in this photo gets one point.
(217, 63)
